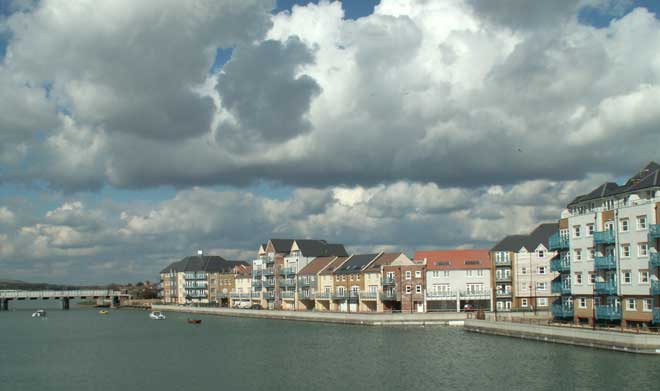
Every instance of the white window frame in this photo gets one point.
(577, 254)
(644, 274)
(577, 231)
(643, 249)
(630, 307)
(523, 302)
(626, 275)
(418, 273)
(582, 302)
(624, 223)
(578, 278)
(408, 275)
(541, 301)
(642, 223)
(625, 250)
(418, 288)
(590, 229)
(647, 305)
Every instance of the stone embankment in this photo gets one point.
(647, 343)
(380, 319)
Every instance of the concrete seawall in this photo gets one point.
(421, 319)
(610, 340)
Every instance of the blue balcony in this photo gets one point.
(269, 283)
(562, 311)
(654, 231)
(654, 260)
(269, 295)
(388, 281)
(257, 273)
(605, 288)
(288, 295)
(560, 265)
(608, 312)
(558, 242)
(389, 296)
(306, 295)
(368, 295)
(306, 282)
(604, 237)
(287, 271)
(323, 296)
(255, 295)
(605, 263)
(256, 283)
(655, 287)
(268, 272)
(287, 282)
(561, 287)
(656, 315)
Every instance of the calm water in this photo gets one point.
(81, 350)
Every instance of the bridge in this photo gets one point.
(65, 296)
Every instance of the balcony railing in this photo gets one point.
(306, 295)
(368, 295)
(605, 288)
(241, 295)
(388, 281)
(655, 287)
(503, 262)
(560, 265)
(269, 295)
(269, 283)
(654, 231)
(288, 295)
(503, 277)
(608, 312)
(503, 293)
(558, 242)
(604, 237)
(561, 287)
(562, 311)
(287, 271)
(287, 282)
(323, 295)
(344, 296)
(437, 295)
(654, 260)
(389, 296)
(656, 315)
(605, 263)
(303, 282)
(268, 272)
(257, 273)
(255, 295)
(256, 283)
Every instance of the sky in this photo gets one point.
(133, 134)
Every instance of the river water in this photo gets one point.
(82, 350)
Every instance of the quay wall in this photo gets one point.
(379, 319)
(611, 340)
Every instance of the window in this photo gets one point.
(648, 305)
(643, 276)
(643, 250)
(435, 273)
(343, 277)
(468, 273)
(625, 250)
(540, 253)
(523, 270)
(542, 302)
(626, 277)
(357, 278)
(408, 289)
(623, 225)
(641, 222)
(578, 278)
(590, 230)
(480, 273)
(441, 288)
(445, 273)
(592, 278)
(541, 286)
(418, 289)
(582, 302)
(542, 270)
(630, 304)
(390, 275)
(578, 254)
(408, 274)
(523, 302)
(337, 277)
(591, 253)
(350, 277)
(576, 231)
(418, 273)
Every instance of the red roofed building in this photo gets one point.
(457, 279)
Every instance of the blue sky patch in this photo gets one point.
(353, 9)
(602, 17)
(222, 56)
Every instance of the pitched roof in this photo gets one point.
(455, 259)
(282, 245)
(333, 265)
(646, 178)
(539, 235)
(355, 263)
(383, 260)
(316, 265)
(319, 248)
(208, 263)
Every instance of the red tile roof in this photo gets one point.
(455, 259)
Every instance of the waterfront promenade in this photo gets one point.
(376, 319)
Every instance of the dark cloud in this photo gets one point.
(261, 87)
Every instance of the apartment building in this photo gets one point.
(278, 262)
(608, 242)
(372, 281)
(242, 293)
(521, 271)
(456, 278)
(187, 280)
(326, 286)
(349, 282)
(308, 282)
(404, 285)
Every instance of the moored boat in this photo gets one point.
(39, 314)
(156, 315)
(103, 312)
(194, 321)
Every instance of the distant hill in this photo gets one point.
(37, 286)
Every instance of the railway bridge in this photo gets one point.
(115, 297)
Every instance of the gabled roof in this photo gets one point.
(207, 263)
(337, 262)
(383, 260)
(539, 235)
(316, 265)
(646, 178)
(281, 245)
(455, 259)
(319, 248)
(355, 263)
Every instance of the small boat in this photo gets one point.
(156, 315)
(103, 312)
(39, 314)
(194, 321)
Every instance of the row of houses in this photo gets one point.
(599, 263)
